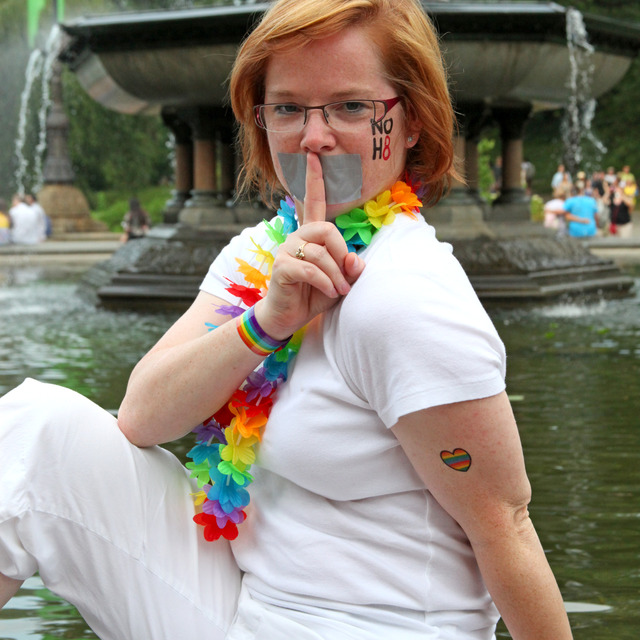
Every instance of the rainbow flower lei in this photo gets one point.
(224, 450)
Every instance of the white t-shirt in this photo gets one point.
(27, 227)
(339, 522)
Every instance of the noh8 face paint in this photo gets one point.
(381, 133)
(342, 176)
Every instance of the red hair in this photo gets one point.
(410, 53)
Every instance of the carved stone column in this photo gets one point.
(64, 203)
(204, 207)
(461, 214)
(57, 165)
(513, 203)
(473, 121)
(183, 165)
(225, 124)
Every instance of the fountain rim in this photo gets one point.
(532, 20)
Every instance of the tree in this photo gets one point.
(135, 152)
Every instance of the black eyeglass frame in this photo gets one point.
(388, 105)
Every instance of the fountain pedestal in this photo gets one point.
(64, 203)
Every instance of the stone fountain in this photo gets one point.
(507, 60)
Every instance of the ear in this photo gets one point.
(412, 129)
(411, 140)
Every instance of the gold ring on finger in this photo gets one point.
(300, 252)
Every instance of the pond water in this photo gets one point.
(573, 377)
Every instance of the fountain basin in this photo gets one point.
(506, 59)
(499, 53)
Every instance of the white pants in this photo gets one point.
(108, 526)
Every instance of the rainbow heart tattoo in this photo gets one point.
(459, 460)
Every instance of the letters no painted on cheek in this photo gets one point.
(382, 139)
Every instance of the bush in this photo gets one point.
(537, 208)
(110, 206)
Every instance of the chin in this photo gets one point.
(335, 210)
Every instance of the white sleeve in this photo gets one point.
(225, 265)
(412, 342)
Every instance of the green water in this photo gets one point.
(574, 380)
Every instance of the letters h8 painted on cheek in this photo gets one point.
(380, 132)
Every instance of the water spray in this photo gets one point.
(577, 123)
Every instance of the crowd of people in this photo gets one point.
(600, 204)
(25, 222)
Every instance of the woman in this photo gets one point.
(389, 497)
(554, 213)
(620, 207)
(136, 222)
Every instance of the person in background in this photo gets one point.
(566, 183)
(554, 212)
(528, 172)
(620, 208)
(496, 169)
(582, 213)
(136, 222)
(600, 191)
(5, 223)
(558, 177)
(630, 189)
(43, 218)
(625, 175)
(610, 176)
(581, 177)
(598, 184)
(337, 362)
(26, 223)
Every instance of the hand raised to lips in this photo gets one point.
(313, 267)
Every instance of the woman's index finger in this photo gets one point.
(315, 205)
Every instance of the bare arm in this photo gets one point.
(489, 501)
(186, 377)
(191, 372)
(572, 218)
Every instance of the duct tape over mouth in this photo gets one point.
(342, 176)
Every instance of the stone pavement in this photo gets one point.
(89, 248)
(77, 248)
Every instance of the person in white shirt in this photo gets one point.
(32, 201)
(26, 223)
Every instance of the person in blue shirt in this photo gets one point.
(582, 213)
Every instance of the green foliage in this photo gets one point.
(111, 150)
(485, 173)
(110, 206)
(622, 9)
(537, 208)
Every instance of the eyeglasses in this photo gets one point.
(344, 116)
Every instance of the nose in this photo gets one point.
(317, 135)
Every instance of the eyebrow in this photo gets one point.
(350, 94)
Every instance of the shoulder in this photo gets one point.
(412, 332)
(410, 275)
(251, 245)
